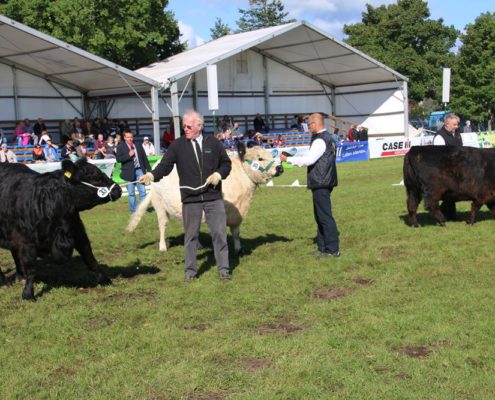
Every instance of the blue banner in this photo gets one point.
(352, 151)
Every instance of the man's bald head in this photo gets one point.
(316, 122)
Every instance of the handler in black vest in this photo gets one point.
(448, 136)
(202, 163)
(322, 178)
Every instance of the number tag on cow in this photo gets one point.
(103, 192)
(255, 166)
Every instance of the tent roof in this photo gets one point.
(43, 55)
(297, 45)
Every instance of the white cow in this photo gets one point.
(250, 168)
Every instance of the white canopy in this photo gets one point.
(42, 55)
(297, 45)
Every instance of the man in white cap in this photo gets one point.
(148, 147)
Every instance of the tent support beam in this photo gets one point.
(266, 87)
(155, 116)
(405, 96)
(65, 98)
(175, 108)
(16, 99)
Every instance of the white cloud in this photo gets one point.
(187, 34)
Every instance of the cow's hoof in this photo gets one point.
(442, 224)
(28, 296)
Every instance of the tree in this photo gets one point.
(262, 14)
(220, 29)
(130, 33)
(404, 38)
(473, 89)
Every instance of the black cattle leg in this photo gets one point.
(26, 258)
(475, 207)
(83, 246)
(3, 279)
(20, 273)
(413, 199)
(491, 207)
(431, 204)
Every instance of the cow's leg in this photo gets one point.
(475, 207)
(3, 279)
(161, 215)
(491, 207)
(235, 232)
(431, 204)
(83, 246)
(26, 256)
(413, 200)
(20, 274)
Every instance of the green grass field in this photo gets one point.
(403, 314)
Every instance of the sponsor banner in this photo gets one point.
(352, 151)
(486, 140)
(390, 146)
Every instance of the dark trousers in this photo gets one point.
(327, 235)
(217, 225)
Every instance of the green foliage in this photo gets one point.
(262, 14)
(474, 87)
(130, 33)
(219, 29)
(403, 37)
(275, 331)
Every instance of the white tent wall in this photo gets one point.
(35, 98)
(379, 107)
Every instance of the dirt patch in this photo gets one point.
(202, 326)
(325, 294)
(98, 323)
(129, 296)
(283, 327)
(363, 281)
(390, 252)
(90, 290)
(420, 352)
(403, 376)
(63, 371)
(380, 369)
(473, 363)
(254, 364)
(206, 396)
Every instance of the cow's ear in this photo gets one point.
(68, 168)
(241, 149)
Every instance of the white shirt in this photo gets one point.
(316, 150)
(149, 148)
(438, 141)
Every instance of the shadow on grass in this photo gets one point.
(426, 219)
(77, 275)
(206, 260)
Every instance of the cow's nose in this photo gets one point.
(279, 170)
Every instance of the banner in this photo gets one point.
(390, 146)
(352, 151)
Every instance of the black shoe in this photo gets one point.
(189, 278)
(225, 276)
(329, 255)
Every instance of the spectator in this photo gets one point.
(229, 142)
(76, 127)
(28, 130)
(3, 139)
(7, 155)
(259, 124)
(19, 130)
(304, 124)
(352, 134)
(134, 166)
(201, 163)
(467, 127)
(69, 151)
(336, 135)
(148, 147)
(294, 123)
(226, 123)
(99, 145)
(85, 127)
(363, 134)
(44, 138)
(167, 138)
(279, 141)
(38, 128)
(90, 140)
(38, 154)
(118, 139)
(81, 149)
(51, 151)
(258, 138)
(66, 130)
(110, 148)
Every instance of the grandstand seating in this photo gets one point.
(24, 154)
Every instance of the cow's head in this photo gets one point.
(92, 186)
(258, 163)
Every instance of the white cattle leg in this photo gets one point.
(161, 215)
(235, 232)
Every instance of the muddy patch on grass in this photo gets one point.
(331, 294)
(206, 396)
(363, 281)
(63, 371)
(420, 352)
(201, 327)
(254, 364)
(279, 327)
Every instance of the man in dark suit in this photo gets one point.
(134, 165)
(202, 163)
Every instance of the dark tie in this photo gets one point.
(198, 153)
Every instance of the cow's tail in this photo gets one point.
(136, 217)
(411, 178)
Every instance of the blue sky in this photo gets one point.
(196, 17)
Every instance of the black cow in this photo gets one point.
(39, 215)
(449, 173)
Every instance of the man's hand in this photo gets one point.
(147, 178)
(284, 155)
(214, 179)
(131, 153)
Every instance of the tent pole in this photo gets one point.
(175, 108)
(155, 117)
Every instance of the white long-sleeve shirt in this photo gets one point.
(316, 150)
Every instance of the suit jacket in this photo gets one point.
(128, 172)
